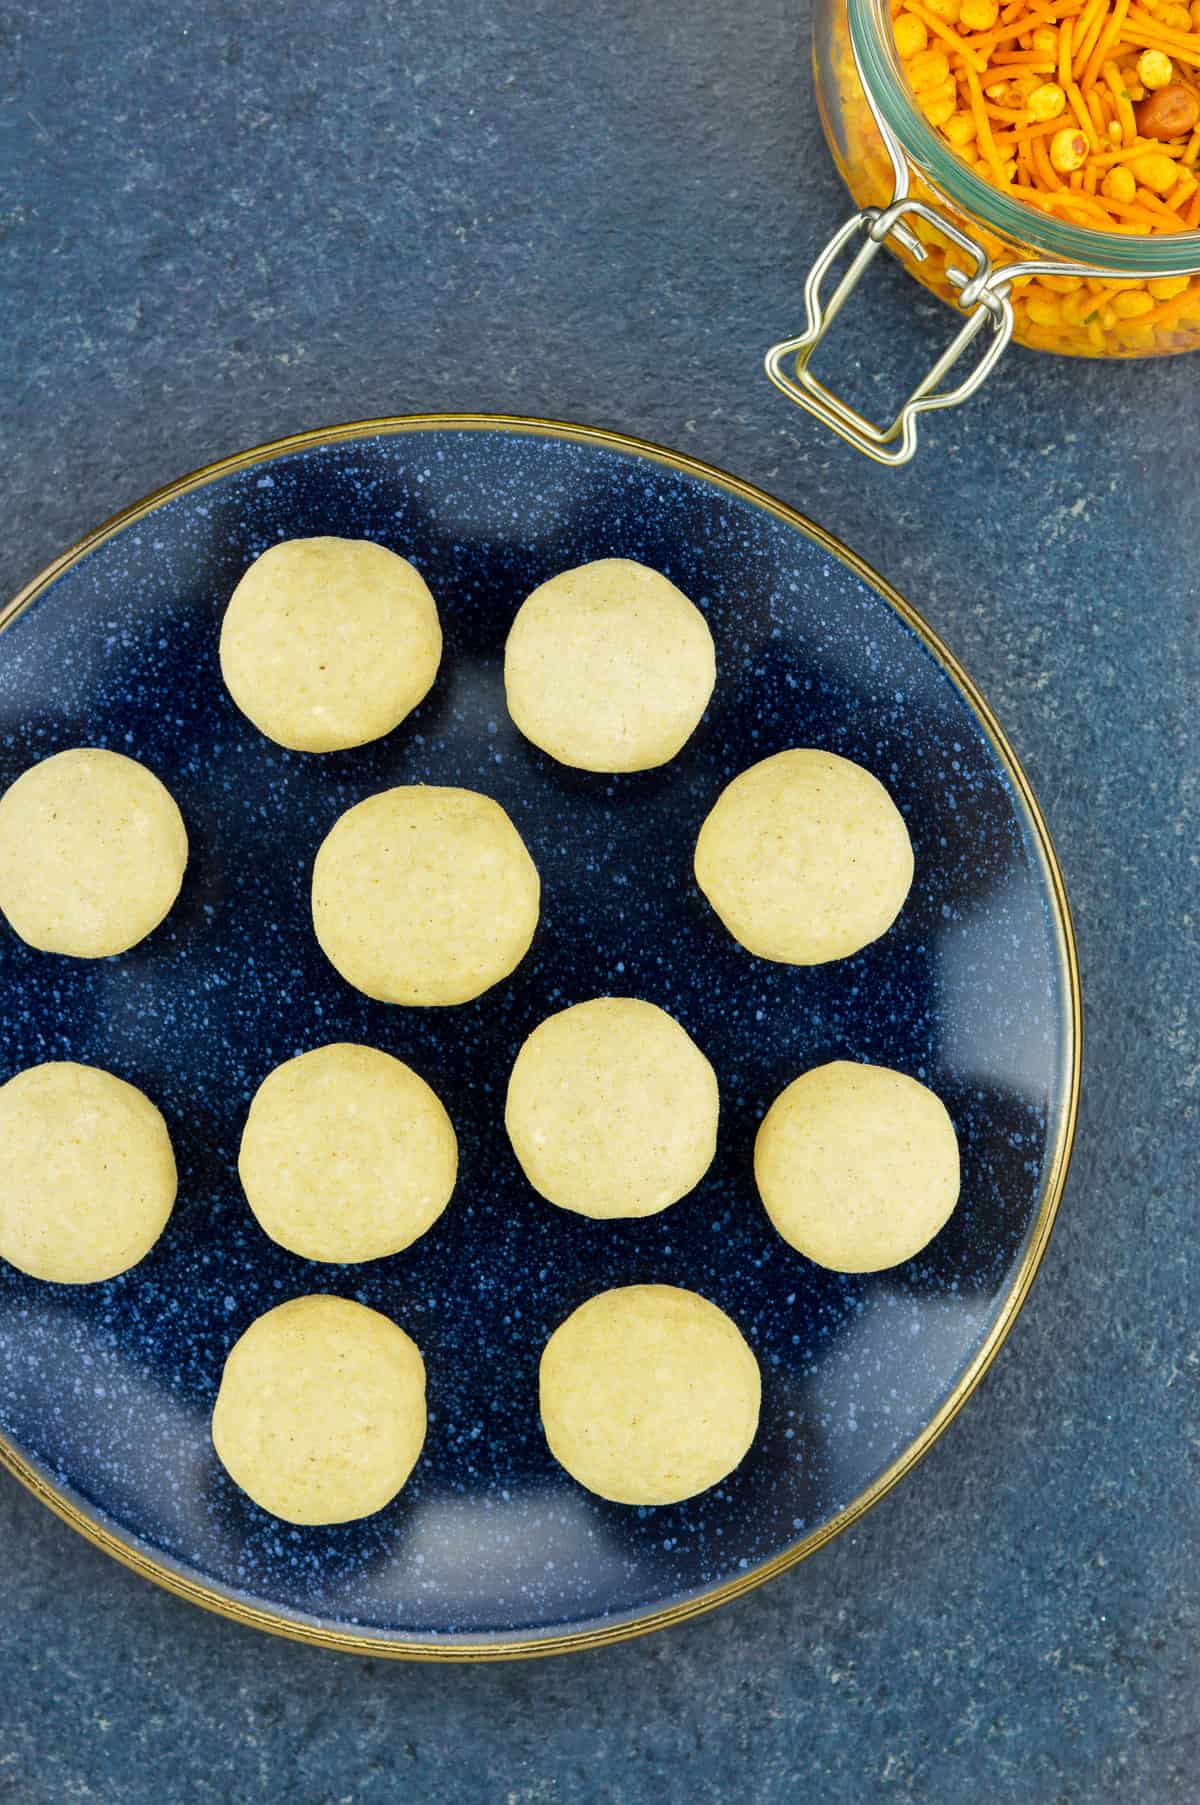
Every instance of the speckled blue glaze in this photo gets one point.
(107, 1390)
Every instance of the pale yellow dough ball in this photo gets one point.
(92, 853)
(347, 1154)
(805, 858)
(649, 1394)
(857, 1166)
(424, 896)
(320, 1416)
(609, 667)
(612, 1109)
(87, 1174)
(329, 643)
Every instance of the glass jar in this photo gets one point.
(1012, 270)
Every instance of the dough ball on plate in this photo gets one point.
(857, 1166)
(424, 896)
(320, 1416)
(609, 667)
(92, 853)
(347, 1154)
(649, 1394)
(87, 1174)
(805, 857)
(329, 643)
(612, 1109)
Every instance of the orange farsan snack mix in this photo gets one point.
(1088, 110)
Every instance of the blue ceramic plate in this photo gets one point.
(106, 1390)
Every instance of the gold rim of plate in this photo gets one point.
(490, 1648)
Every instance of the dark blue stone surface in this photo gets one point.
(223, 225)
(108, 1389)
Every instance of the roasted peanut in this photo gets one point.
(1169, 112)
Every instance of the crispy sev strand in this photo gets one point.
(1159, 208)
(1189, 39)
(1045, 128)
(983, 126)
(1095, 107)
(1079, 108)
(1168, 311)
(1116, 87)
(1154, 40)
(1102, 48)
(1046, 173)
(1087, 32)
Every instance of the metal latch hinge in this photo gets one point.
(982, 295)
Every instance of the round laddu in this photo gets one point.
(649, 1394)
(805, 858)
(347, 1154)
(320, 1415)
(92, 853)
(857, 1166)
(612, 1109)
(328, 643)
(87, 1174)
(609, 667)
(424, 896)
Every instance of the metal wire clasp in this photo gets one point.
(983, 295)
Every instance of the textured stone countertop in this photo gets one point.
(222, 224)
